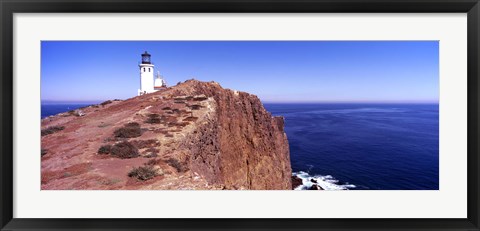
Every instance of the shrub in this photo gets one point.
(191, 118)
(72, 113)
(44, 152)
(130, 130)
(105, 149)
(199, 98)
(176, 164)
(195, 107)
(51, 130)
(106, 102)
(153, 119)
(151, 155)
(77, 113)
(143, 173)
(167, 108)
(124, 150)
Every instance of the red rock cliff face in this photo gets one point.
(243, 146)
(222, 139)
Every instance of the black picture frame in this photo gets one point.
(9, 7)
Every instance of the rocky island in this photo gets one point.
(195, 135)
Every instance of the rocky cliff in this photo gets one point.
(195, 135)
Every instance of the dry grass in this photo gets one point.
(51, 130)
(195, 106)
(143, 173)
(200, 98)
(124, 150)
(130, 130)
(153, 119)
(177, 165)
(191, 118)
(105, 149)
(106, 102)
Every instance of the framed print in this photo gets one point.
(239, 115)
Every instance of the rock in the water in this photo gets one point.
(296, 181)
(315, 187)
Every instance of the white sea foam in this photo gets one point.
(327, 182)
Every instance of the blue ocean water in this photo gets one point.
(363, 146)
(53, 109)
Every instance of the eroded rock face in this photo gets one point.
(195, 135)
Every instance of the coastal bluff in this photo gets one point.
(195, 135)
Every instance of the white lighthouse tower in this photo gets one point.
(146, 75)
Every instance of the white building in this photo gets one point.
(147, 83)
(159, 82)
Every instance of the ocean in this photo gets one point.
(53, 109)
(355, 146)
(363, 146)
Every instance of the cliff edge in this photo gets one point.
(195, 135)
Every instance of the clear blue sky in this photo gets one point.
(276, 71)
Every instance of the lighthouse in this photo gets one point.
(146, 75)
(147, 83)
